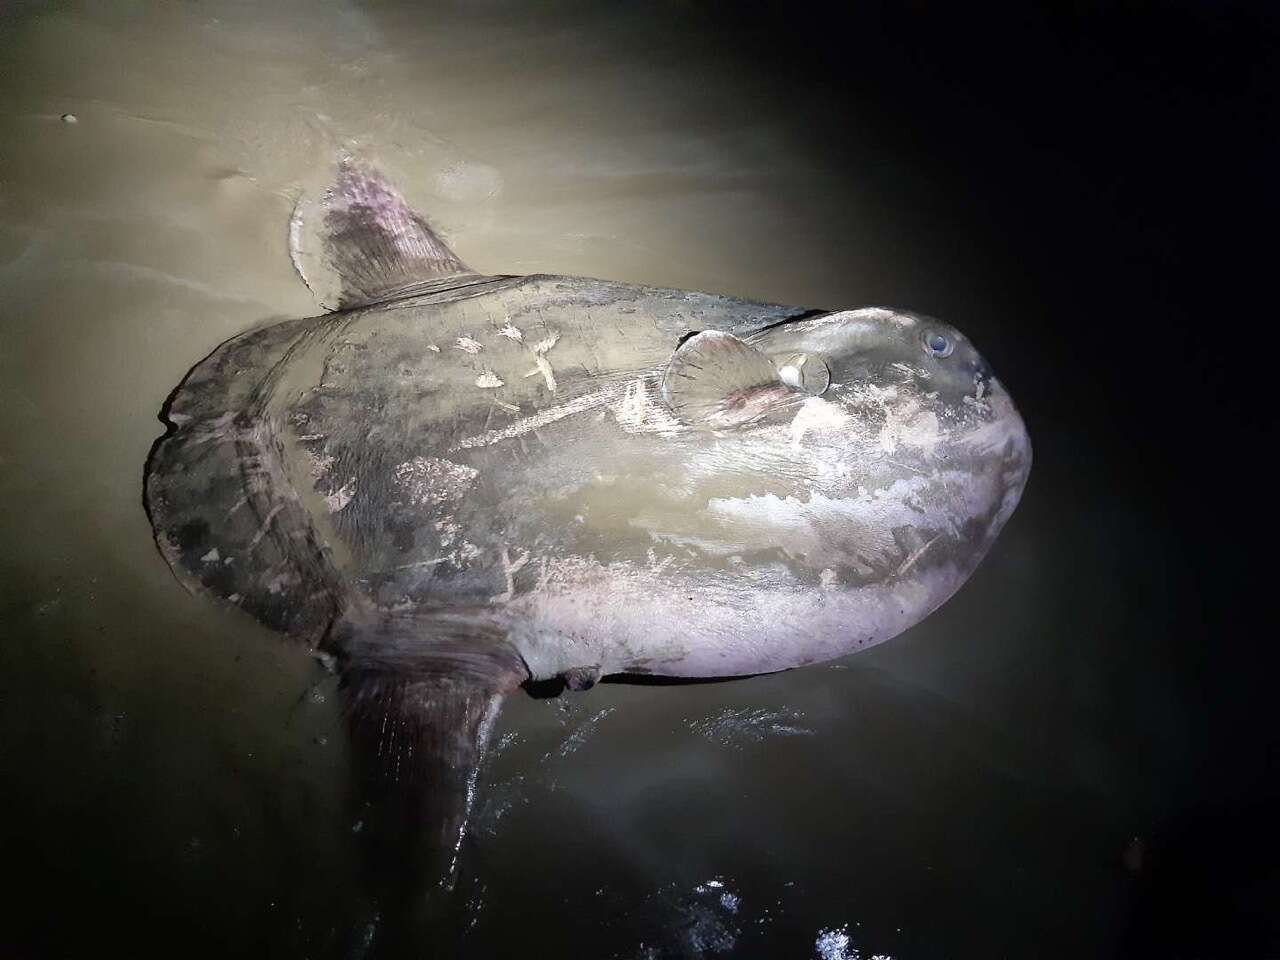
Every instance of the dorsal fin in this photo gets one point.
(361, 242)
(714, 380)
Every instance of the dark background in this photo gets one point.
(1088, 192)
(1120, 162)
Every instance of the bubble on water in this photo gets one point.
(504, 743)
(834, 945)
(499, 800)
(367, 933)
(580, 736)
(709, 925)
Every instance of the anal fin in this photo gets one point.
(422, 691)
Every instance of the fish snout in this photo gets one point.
(1009, 433)
(982, 372)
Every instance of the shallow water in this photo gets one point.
(177, 777)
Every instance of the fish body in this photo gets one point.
(505, 449)
(457, 482)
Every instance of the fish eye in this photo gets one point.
(937, 345)
(805, 371)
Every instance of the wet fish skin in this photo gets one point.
(407, 485)
(455, 483)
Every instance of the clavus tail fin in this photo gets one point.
(421, 691)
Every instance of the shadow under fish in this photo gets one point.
(455, 483)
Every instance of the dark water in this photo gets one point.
(1077, 756)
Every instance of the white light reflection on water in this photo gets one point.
(835, 944)
(584, 140)
(737, 727)
(716, 916)
(706, 921)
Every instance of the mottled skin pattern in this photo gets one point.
(504, 448)
(458, 483)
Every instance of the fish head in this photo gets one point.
(891, 400)
(874, 346)
(807, 491)
(863, 462)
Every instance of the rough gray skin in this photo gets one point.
(464, 481)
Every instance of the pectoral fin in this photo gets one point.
(716, 381)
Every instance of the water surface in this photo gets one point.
(177, 778)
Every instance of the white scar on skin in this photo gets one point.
(870, 394)
(540, 350)
(262, 530)
(904, 429)
(510, 570)
(512, 332)
(818, 416)
(1004, 427)
(637, 412)
(528, 424)
(910, 372)
(489, 380)
(341, 497)
(469, 345)
(976, 401)
(940, 505)
(319, 464)
(655, 565)
(433, 480)
(544, 368)
(433, 348)
(916, 554)
(546, 343)
(420, 563)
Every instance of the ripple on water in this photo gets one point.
(739, 726)
(835, 944)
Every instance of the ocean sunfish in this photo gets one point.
(455, 483)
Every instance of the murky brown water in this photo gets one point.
(177, 784)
